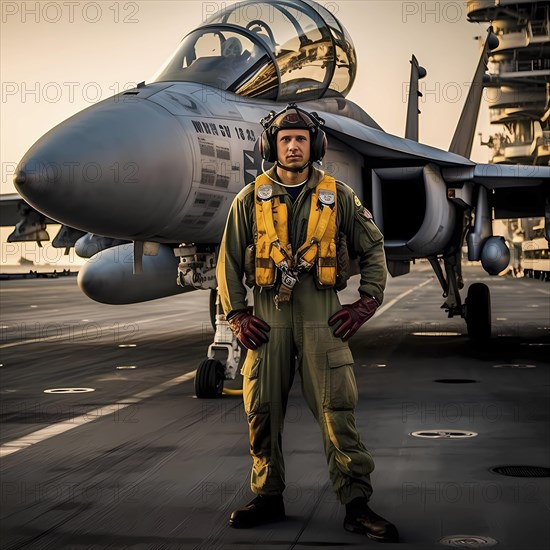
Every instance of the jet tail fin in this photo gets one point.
(463, 138)
(411, 127)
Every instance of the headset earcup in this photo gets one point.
(318, 146)
(268, 149)
(264, 146)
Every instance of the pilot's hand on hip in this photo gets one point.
(352, 316)
(250, 330)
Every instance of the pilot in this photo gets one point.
(231, 48)
(287, 234)
(232, 63)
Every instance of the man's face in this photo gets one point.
(293, 147)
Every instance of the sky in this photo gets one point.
(59, 57)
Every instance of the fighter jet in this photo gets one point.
(142, 182)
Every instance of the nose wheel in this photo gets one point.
(478, 312)
(212, 372)
(209, 379)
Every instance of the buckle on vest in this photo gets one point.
(304, 265)
(288, 280)
(283, 266)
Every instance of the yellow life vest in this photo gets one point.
(273, 248)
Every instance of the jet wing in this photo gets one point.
(515, 190)
(30, 225)
(385, 150)
(10, 205)
(499, 176)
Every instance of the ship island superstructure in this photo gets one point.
(518, 93)
(518, 80)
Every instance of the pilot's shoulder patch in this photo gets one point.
(360, 209)
(365, 212)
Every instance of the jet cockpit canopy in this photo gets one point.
(287, 50)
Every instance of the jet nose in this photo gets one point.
(20, 177)
(118, 168)
(37, 179)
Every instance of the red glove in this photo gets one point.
(249, 329)
(352, 316)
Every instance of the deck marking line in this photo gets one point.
(391, 303)
(66, 425)
(61, 337)
(541, 291)
(62, 427)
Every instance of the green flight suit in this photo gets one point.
(300, 336)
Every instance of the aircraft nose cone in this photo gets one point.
(117, 169)
(20, 177)
(35, 177)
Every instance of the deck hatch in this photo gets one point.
(455, 380)
(522, 471)
(468, 541)
(444, 434)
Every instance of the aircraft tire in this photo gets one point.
(209, 379)
(478, 312)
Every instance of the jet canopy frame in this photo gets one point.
(283, 51)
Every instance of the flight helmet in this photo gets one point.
(292, 118)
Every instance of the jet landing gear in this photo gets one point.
(197, 268)
(211, 373)
(209, 379)
(477, 312)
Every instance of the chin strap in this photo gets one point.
(290, 169)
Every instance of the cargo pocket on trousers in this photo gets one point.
(251, 385)
(341, 389)
(251, 364)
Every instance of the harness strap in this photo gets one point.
(273, 247)
(306, 254)
(277, 253)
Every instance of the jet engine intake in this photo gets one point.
(411, 207)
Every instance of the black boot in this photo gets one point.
(361, 519)
(263, 509)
